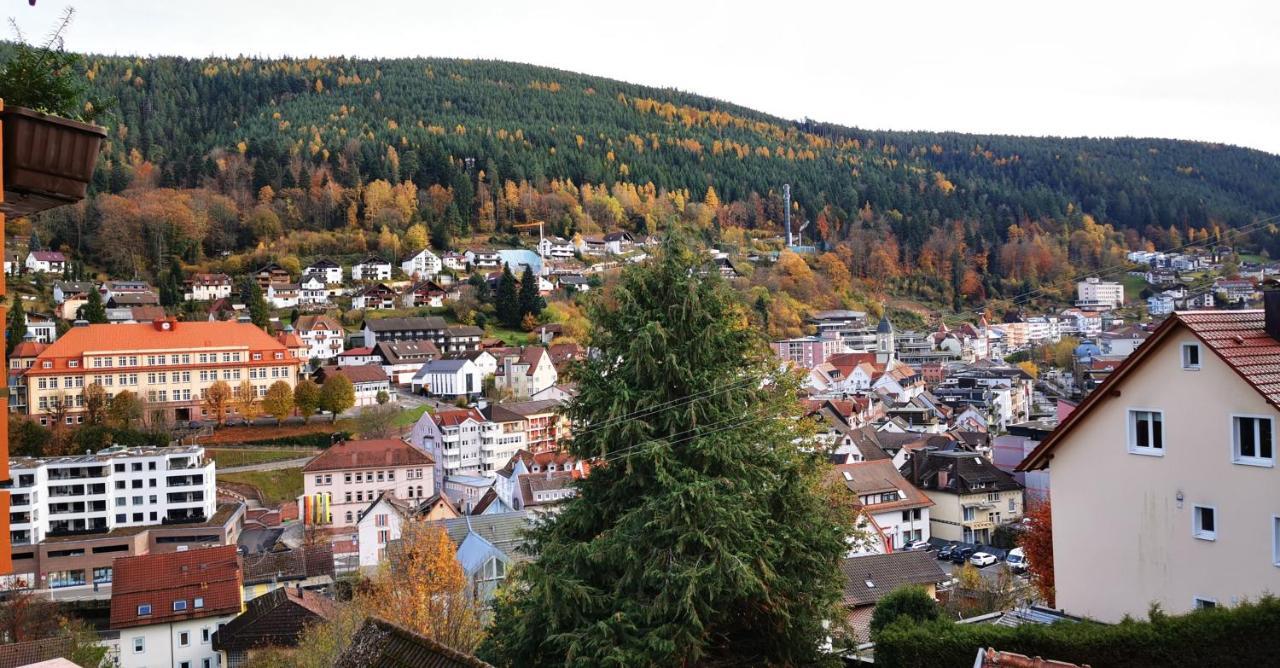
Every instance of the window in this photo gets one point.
(1203, 603)
(968, 514)
(204, 635)
(1204, 522)
(184, 664)
(1275, 540)
(184, 638)
(198, 603)
(1253, 438)
(139, 645)
(348, 517)
(206, 663)
(1191, 356)
(179, 605)
(1146, 432)
(102, 574)
(144, 609)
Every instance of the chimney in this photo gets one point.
(1271, 311)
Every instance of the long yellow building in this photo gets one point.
(166, 363)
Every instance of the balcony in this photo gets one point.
(184, 481)
(185, 497)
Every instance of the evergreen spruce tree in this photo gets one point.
(94, 311)
(253, 299)
(701, 536)
(530, 301)
(17, 326)
(506, 301)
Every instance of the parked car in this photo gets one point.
(1017, 560)
(961, 554)
(982, 559)
(920, 545)
(945, 552)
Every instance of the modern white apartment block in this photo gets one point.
(1092, 293)
(470, 441)
(117, 487)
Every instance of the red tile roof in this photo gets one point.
(368, 454)
(143, 337)
(455, 417)
(362, 373)
(158, 580)
(1237, 337)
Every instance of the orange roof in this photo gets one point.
(211, 574)
(150, 336)
(28, 349)
(368, 454)
(452, 418)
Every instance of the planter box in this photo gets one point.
(48, 161)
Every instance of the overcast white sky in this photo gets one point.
(1207, 70)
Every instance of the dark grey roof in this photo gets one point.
(275, 619)
(444, 365)
(532, 407)
(397, 352)
(405, 324)
(869, 578)
(381, 644)
(499, 413)
(504, 530)
(885, 327)
(966, 471)
(323, 263)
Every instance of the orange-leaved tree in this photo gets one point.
(422, 587)
(1037, 546)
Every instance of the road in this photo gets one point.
(268, 466)
(990, 573)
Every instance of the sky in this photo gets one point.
(1206, 71)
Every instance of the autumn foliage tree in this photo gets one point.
(1037, 546)
(278, 403)
(217, 397)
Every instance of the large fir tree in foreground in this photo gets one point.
(700, 537)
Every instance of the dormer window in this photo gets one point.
(144, 609)
(46, 365)
(179, 605)
(1191, 356)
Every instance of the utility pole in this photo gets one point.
(786, 205)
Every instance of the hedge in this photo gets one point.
(315, 440)
(1244, 635)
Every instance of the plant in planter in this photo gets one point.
(50, 145)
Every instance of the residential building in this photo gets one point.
(459, 339)
(402, 360)
(44, 328)
(117, 487)
(323, 336)
(971, 496)
(371, 268)
(166, 607)
(168, 363)
(524, 375)
(807, 351)
(359, 357)
(538, 481)
(428, 328)
(379, 524)
(14, 263)
(423, 264)
(1094, 293)
(64, 290)
(375, 297)
(892, 511)
(424, 294)
(448, 378)
(328, 270)
(307, 566)
(468, 441)
(369, 381)
(488, 545)
(283, 295)
(46, 262)
(1167, 471)
(273, 622)
(453, 261)
(545, 425)
(20, 359)
(556, 248)
(313, 291)
(1237, 291)
(208, 287)
(352, 474)
(1160, 304)
(271, 273)
(483, 258)
(869, 578)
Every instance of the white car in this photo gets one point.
(982, 559)
(1017, 560)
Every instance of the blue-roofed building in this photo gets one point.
(518, 258)
(488, 545)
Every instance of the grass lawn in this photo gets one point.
(409, 416)
(276, 486)
(226, 457)
(511, 337)
(1133, 286)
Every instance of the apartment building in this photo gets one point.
(808, 351)
(448, 338)
(1094, 293)
(422, 264)
(1166, 473)
(894, 513)
(354, 473)
(324, 336)
(209, 287)
(167, 363)
(971, 496)
(526, 374)
(470, 441)
(167, 607)
(545, 425)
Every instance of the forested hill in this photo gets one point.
(487, 144)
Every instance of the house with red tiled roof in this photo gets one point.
(46, 262)
(352, 474)
(1167, 471)
(324, 336)
(166, 607)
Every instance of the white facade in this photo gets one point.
(424, 264)
(557, 248)
(464, 442)
(449, 378)
(46, 262)
(371, 270)
(330, 272)
(312, 291)
(109, 490)
(324, 338)
(1096, 293)
(182, 644)
(43, 328)
(281, 295)
(377, 526)
(351, 490)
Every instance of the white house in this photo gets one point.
(368, 381)
(322, 334)
(167, 606)
(46, 262)
(894, 513)
(527, 374)
(423, 264)
(448, 378)
(312, 291)
(557, 248)
(209, 287)
(282, 295)
(371, 268)
(354, 473)
(483, 258)
(454, 260)
(469, 441)
(328, 270)
(375, 297)
(377, 526)
(42, 327)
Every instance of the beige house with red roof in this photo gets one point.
(324, 336)
(893, 512)
(169, 364)
(166, 607)
(1164, 481)
(354, 473)
(527, 374)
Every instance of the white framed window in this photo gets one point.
(1275, 540)
(179, 605)
(1191, 356)
(184, 638)
(1253, 440)
(1204, 522)
(199, 603)
(144, 609)
(139, 645)
(1146, 432)
(1201, 603)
